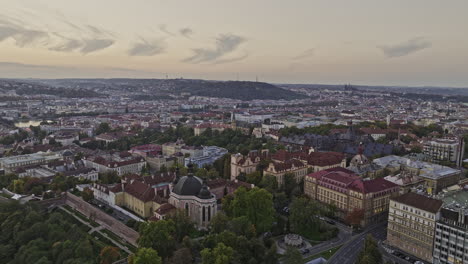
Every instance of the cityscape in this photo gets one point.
(256, 149)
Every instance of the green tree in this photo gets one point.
(280, 200)
(213, 174)
(103, 128)
(219, 222)
(303, 219)
(18, 186)
(182, 256)
(87, 194)
(293, 256)
(7, 179)
(270, 183)
(271, 256)
(370, 253)
(109, 255)
(254, 177)
(109, 177)
(289, 184)
(227, 167)
(256, 204)
(221, 254)
(159, 236)
(242, 227)
(147, 256)
(183, 225)
(201, 173)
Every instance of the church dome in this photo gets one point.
(359, 159)
(204, 193)
(67, 153)
(188, 185)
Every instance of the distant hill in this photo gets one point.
(233, 89)
(32, 88)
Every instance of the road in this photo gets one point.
(344, 236)
(349, 252)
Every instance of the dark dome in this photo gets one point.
(204, 193)
(188, 185)
(67, 153)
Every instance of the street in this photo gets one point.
(349, 252)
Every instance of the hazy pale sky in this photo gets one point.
(397, 42)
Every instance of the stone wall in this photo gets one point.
(102, 218)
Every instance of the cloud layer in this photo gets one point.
(405, 48)
(225, 44)
(147, 48)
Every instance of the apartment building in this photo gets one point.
(451, 233)
(445, 149)
(10, 164)
(411, 224)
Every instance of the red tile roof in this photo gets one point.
(343, 178)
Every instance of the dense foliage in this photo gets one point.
(28, 234)
(255, 204)
(304, 220)
(370, 254)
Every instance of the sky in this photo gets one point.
(373, 42)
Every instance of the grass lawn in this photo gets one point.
(325, 254)
(119, 240)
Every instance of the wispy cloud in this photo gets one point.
(95, 39)
(305, 54)
(225, 44)
(67, 44)
(186, 32)
(233, 59)
(92, 45)
(23, 36)
(405, 48)
(163, 28)
(147, 48)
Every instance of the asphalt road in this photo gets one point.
(349, 252)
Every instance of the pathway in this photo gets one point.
(97, 229)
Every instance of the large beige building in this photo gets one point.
(122, 163)
(10, 164)
(411, 224)
(156, 162)
(348, 192)
(315, 161)
(241, 164)
(279, 169)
